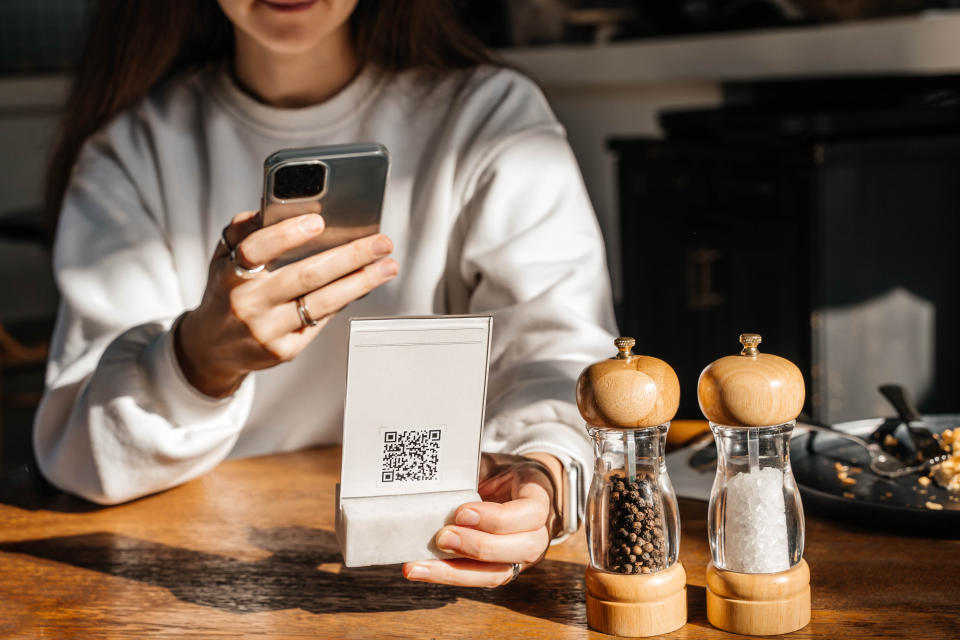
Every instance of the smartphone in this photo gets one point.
(343, 183)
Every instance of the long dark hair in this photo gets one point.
(134, 45)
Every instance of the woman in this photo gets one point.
(166, 361)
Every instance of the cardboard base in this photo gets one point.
(762, 604)
(637, 605)
(393, 529)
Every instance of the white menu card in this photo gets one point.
(413, 416)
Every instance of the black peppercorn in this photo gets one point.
(635, 526)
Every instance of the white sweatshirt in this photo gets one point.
(487, 212)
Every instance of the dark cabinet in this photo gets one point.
(841, 253)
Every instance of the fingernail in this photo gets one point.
(448, 541)
(382, 245)
(311, 223)
(388, 268)
(418, 572)
(468, 517)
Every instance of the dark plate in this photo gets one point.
(877, 502)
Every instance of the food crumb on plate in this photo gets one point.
(843, 473)
(947, 473)
(933, 505)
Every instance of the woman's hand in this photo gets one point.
(514, 524)
(248, 323)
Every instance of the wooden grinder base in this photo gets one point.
(637, 605)
(763, 604)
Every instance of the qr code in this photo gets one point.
(410, 455)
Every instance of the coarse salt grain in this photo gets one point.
(755, 524)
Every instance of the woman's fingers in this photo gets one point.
(460, 572)
(289, 345)
(526, 547)
(264, 321)
(523, 514)
(242, 225)
(312, 273)
(269, 243)
(283, 320)
(335, 296)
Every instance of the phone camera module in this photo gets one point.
(295, 181)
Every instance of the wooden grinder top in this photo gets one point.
(628, 391)
(752, 389)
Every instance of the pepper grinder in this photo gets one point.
(635, 585)
(757, 582)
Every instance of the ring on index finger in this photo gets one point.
(514, 575)
(223, 240)
(240, 270)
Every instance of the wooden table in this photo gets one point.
(248, 550)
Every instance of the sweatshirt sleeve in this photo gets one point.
(118, 420)
(534, 257)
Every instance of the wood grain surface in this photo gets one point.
(763, 604)
(636, 391)
(248, 551)
(637, 605)
(751, 391)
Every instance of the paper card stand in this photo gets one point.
(413, 416)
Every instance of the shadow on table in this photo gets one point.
(23, 486)
(697, 606)
(289, 579)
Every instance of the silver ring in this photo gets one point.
(223, 239)
(516, 573)
(238, 269)
(304, 313)
(243, 272)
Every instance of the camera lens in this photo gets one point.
(295, 181)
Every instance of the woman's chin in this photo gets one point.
(299, 29)
(289, 41)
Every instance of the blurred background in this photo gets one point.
(789, 167)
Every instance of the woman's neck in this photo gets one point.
(295, 79)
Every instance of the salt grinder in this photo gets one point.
(758, 582)
(635, 585)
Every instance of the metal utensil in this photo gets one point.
(916, 468)
(923, 441)
(881, 463)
